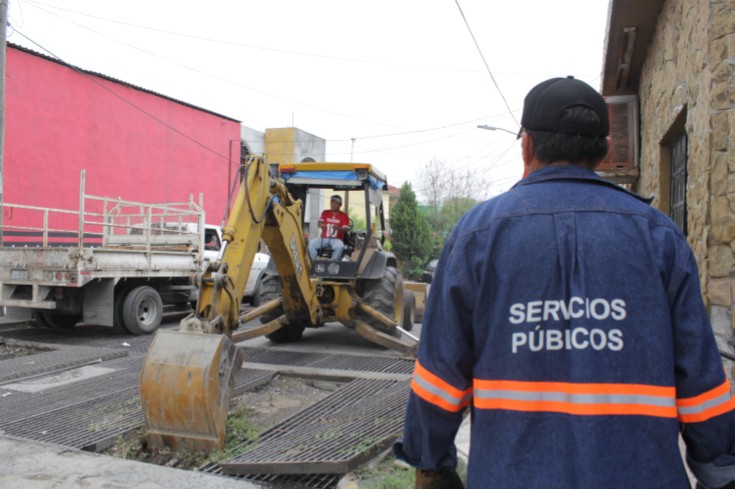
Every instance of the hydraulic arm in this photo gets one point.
(188, 375)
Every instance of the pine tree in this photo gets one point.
(410, 233)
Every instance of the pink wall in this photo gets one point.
(131, 143)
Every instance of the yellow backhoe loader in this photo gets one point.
(188, 375)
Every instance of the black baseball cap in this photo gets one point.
(546, 102)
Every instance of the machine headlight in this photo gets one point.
(333, 268)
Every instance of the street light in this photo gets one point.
(493, 128)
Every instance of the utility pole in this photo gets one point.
(3, 51)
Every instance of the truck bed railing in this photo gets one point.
(103, 222)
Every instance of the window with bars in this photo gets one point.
(678, 182)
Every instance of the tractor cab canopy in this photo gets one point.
(337, 176)
(361, 187)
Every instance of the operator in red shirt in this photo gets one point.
(334, 223)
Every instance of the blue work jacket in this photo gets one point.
(566, 315)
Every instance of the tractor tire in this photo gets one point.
(142, 311)
(386, 296)
(291, 332)
(270, 288)
(409, 311)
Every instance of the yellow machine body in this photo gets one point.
(188, 375)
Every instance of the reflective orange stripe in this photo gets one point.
(576, 398)
(436, 391)
(709, 404)
(594, 388)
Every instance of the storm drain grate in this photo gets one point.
(364, 363)
(378, 364)
(17, 406)
(249, 379)
(92, 424)
(315, 481)
(283, 357)
(90, 413)
(54, 358)
(333, 436)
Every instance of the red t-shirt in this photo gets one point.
(331, 220)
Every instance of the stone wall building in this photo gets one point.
(677, 59)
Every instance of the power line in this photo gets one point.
(383, 150)
(428, 130)
(288, 100)
(37, 5)
(486, 64)
(237, 84)
(252, 46)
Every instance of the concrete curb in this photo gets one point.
(30, 464)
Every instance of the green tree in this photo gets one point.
(452, 210)
(449, 193)
(410, 233)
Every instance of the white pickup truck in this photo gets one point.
(111, 262)
(212, 245)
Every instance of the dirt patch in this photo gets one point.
(274, 402)
(12, 350)
(388, 472)
(250, 414)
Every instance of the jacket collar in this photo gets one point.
(573, 173)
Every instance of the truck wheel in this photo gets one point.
(38, 319)
(386, 296)
(142, 311)
(118, 326)
(62, 322)
(270, 288)
(409, 311)
(56, 321)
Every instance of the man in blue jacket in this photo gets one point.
(566, 315)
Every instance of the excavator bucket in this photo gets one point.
(185, 389)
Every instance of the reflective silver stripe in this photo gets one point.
(702, 407)
(558, 396)
(452, 400)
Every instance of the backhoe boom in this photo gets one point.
(187, 378)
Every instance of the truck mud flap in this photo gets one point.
(185, 389)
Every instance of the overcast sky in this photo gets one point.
(395, 83)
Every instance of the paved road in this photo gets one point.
(34, 464)
(31, 464)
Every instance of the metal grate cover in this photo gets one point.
(334, 435)
(89, 414)
(315, 481)
(53, 358)
(378, 364)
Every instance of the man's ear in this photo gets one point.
(594, 165)
(527, 152)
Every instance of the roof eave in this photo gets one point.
(630, 28)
